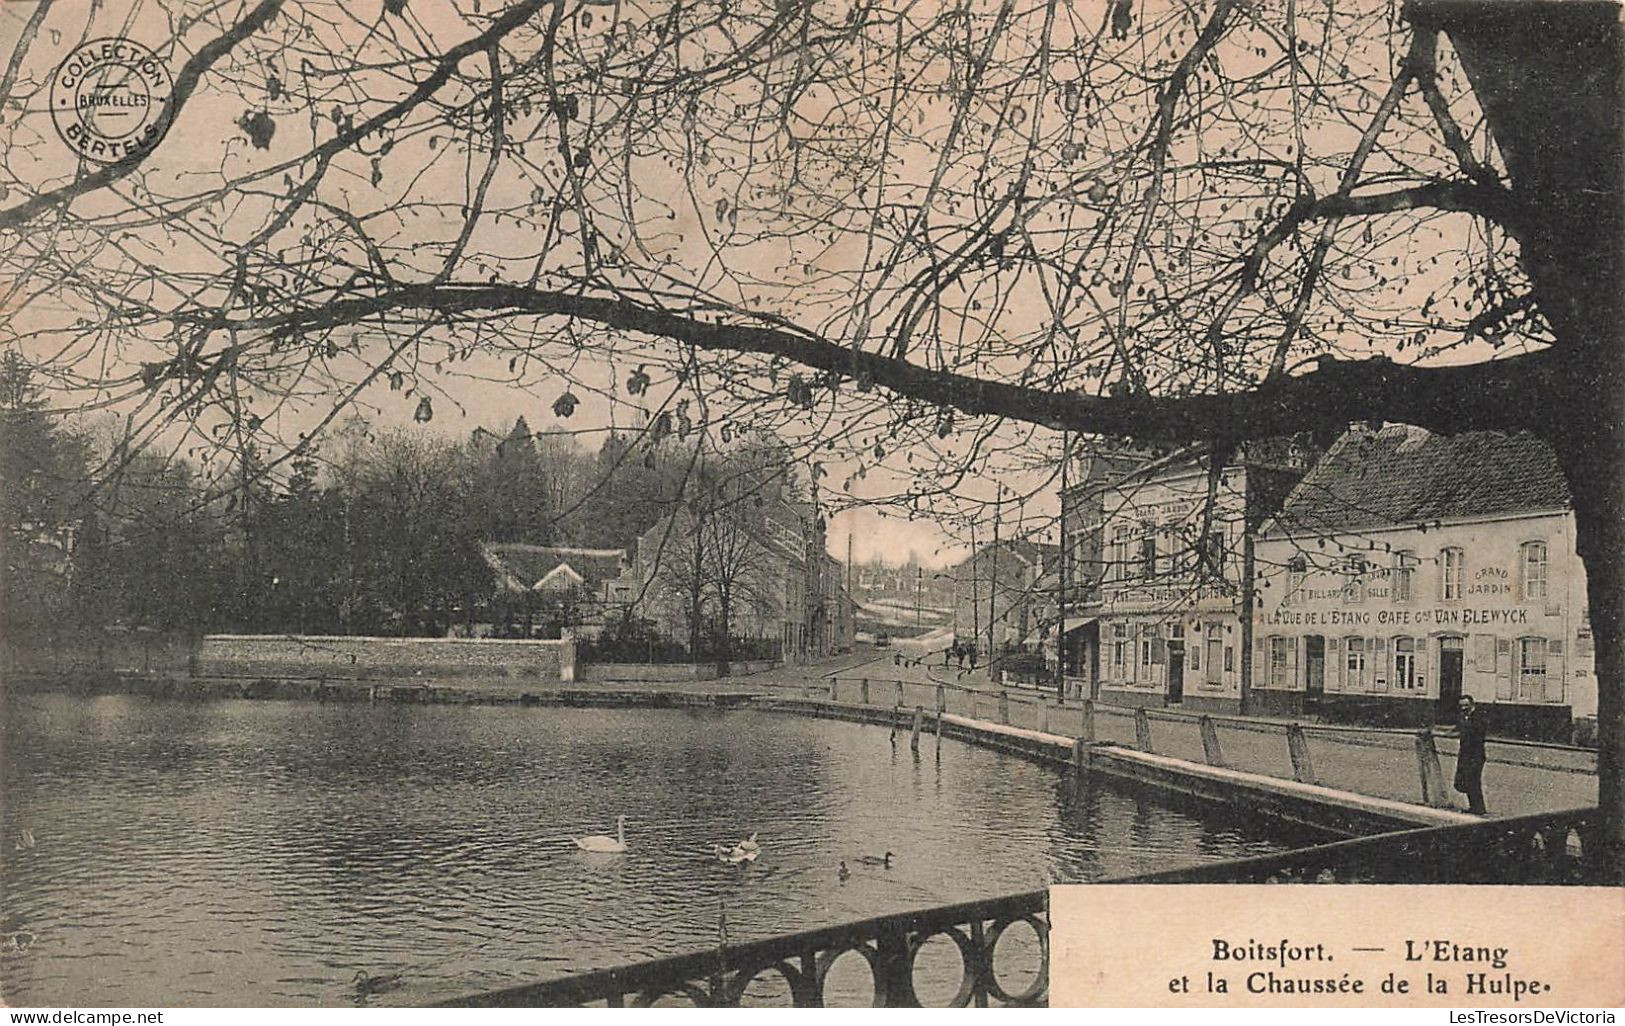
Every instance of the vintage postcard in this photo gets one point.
(811, 502)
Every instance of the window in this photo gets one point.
(1534, 570)
(1450, 569)
(1405, 675)
(1279, 673)
(1404, 566)
(1119, 649)
(1297, 570)
(1122, 536)
(1215, 646)
(1354, 585)
(1354, 666)
(1532, 668)
(1148, 552)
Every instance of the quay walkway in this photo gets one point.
(1520, 778)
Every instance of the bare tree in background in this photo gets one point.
(918, 237)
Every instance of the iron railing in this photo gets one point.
(1394, 763)
(889, 945)
(1547, 848)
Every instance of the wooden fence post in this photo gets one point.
(834, 684)
(1427, 765)
(1004, 707)
(1303, 768)
(1080, 754)
(1210, 742)
(914, 735)
(942, 700)
(1088, 721)
(1142, 729)
(899, 692)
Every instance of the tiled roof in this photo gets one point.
(522, 567)
(1404, 475)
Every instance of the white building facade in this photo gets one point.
(1171, 630)
(1408, 570)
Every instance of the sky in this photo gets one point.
(463, 403)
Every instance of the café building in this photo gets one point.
(1408, 569)
(1176, 581)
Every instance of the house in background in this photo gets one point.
(767, 552)
(998, 596)
(1176, 574)
(552, 587)
(1078, 574)
(1408, 569)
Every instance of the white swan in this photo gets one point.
(749, 844)
(604, 844)
(737, 855)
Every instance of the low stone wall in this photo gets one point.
(361, 658)
(666, 672)
(94, 651)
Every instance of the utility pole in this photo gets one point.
(1060, 575)
(919, 586)
(975, 596)
(993, 574)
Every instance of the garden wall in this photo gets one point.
(666, 672)
(298, 656)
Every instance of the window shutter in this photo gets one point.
(1504, 669)
(1334, 664)
(1556, 671)
(1381, 671)
(1292, 644)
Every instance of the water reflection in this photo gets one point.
(262, 853)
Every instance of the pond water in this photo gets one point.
(260, 853)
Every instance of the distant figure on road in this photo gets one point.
(1470, 728)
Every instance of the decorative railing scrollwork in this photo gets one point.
(890, 945)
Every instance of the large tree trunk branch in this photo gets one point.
(1502, 394)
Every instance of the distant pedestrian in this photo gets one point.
(1470, 728)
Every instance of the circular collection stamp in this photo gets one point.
(110, 99)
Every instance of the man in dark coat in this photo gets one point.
(1470, 728)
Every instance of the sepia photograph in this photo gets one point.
(816, 503)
